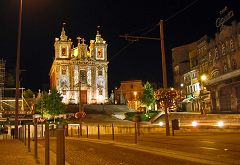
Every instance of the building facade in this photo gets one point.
(129, 93)
(217, 59)
(81, 72)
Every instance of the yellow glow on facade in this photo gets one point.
(203, 77)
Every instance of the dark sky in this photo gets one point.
(42, 22)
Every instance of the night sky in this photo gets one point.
(185, 22)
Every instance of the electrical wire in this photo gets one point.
(180, 11)
(122, 49)
(153, 27)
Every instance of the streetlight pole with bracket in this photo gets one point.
(203, 78)
(164, 72)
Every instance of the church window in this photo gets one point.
(100, 92)
(64, 71)
(225, 68)
(99, 53)
(100, 73)
(231, 44)
(82, 55)
(193, 75)
(176, 68)
(83, 77)
(64, 92)
(223, 50)
(234, 64)
(64, 52)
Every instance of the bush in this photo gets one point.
(142, 115)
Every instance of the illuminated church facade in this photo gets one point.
(81, 72)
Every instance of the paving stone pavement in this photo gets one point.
(13, 152)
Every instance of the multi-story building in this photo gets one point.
(180, 64)
(129, 93)
(81, 72)
(217, 59)
(184, 78)
(222, 65)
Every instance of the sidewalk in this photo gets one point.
(13, 152)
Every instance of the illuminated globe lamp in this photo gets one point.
(203, 79)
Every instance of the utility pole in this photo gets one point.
(17, 68)
(164, 71)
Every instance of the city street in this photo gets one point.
(193, 148)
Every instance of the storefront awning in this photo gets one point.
(187, 100)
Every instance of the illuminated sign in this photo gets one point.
(225, 15)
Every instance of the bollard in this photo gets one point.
(112, 132)
(81, 130)
(78, 131)
(42, 131)
(25, 135)
(87, 130)
(66, 128)
(60, 147)
(35, 142)
(29, 138)
(98, 131)
(19, 137)
(71, 132)
(136, 133)
(175, 125)
(47, 162)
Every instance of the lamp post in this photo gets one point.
(203, 79)
(17, 68)
(79, 87)
(135, 99)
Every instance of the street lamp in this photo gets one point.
(17, 68)
(135, 98)
(79, 88)
(203, 78)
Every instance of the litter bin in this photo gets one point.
(175, 125)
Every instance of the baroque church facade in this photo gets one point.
(81, 72)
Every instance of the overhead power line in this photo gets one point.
(180, 11)
(136, 38)
(133, 39)
(122, 49)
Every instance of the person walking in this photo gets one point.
(12, 133)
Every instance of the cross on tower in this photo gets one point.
(83, 40)
(79, 39)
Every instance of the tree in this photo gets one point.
(54, 104)
(28, 94)
(41, 103)
(168, 95)
(147, 98)
(10, 79)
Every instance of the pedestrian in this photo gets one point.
(5, 130)
(13, 133)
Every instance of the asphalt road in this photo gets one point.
(154, 149)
